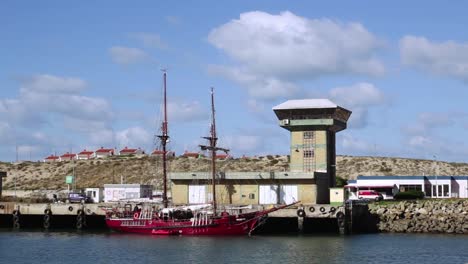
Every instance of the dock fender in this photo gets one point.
(301, 213)
(340, 216)
(311, 209)
(332, 209)
(47, 212)
(2, 206)
(322, 209)
(70, 208)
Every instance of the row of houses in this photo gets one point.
(107, 152)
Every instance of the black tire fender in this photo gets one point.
(322, 209)
(311, 209)
(340, 215)
(332, 209)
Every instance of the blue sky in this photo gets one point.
(85, 75)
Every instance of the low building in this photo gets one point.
(85, 155)
(96, 194)
(67, 157)
(195, 155)
(130, 151)
(432, 186)
(104, 153)
(158, 152)
(242, 188)
(223, 156)
(52, 158)
(123, 192)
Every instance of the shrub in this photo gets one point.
(409, 195)
(340, 182)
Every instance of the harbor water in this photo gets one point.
(109, 247)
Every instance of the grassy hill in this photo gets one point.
(93, 173)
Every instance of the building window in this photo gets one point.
(309, 153)
(405, 188)
(308, 134)
(440, 190)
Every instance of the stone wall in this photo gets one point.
(422, 216)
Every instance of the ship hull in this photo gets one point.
(212, 227)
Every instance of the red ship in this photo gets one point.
(189, 220)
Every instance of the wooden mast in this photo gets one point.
(164, 138)
(213, 150)
(212, 147)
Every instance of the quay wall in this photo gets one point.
(422, 216)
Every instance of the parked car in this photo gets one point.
(370, 195)
(78, 198)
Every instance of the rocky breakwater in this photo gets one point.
(422, 216)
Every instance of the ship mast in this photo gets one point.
(164, 137)
(212, 147)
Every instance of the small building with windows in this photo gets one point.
(52, 158)
(126, 192)
(432, 186)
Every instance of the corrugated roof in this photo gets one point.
(305, 104)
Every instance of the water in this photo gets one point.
(107, 247)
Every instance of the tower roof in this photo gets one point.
(311, 114)
(305, 104)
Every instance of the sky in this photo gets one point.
(87, 74)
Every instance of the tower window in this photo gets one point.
(308, 134)
(309, 153)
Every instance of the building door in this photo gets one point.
(197, 194)
(288, 194)
(268, 194)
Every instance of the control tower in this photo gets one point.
(313, 124)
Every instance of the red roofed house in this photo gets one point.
(223, 156)
(85, 154)
(129, 151)
(192, 154)
(52, 158)
(104, 153)
(67, 156)
(158, 152)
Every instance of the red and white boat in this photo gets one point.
(189, 220)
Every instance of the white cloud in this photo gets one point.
(180, 110)
(358, 98)
(443, 58)
(133, 137)
(151, 40)
(351, 144)
(287, 45)
(45, 83)
(52, 103)
(125, 56)
(258, 86)
(243, 144)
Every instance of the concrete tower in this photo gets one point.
(313, 124)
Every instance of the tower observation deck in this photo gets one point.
(313, 124)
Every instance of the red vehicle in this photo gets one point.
(370, 195)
